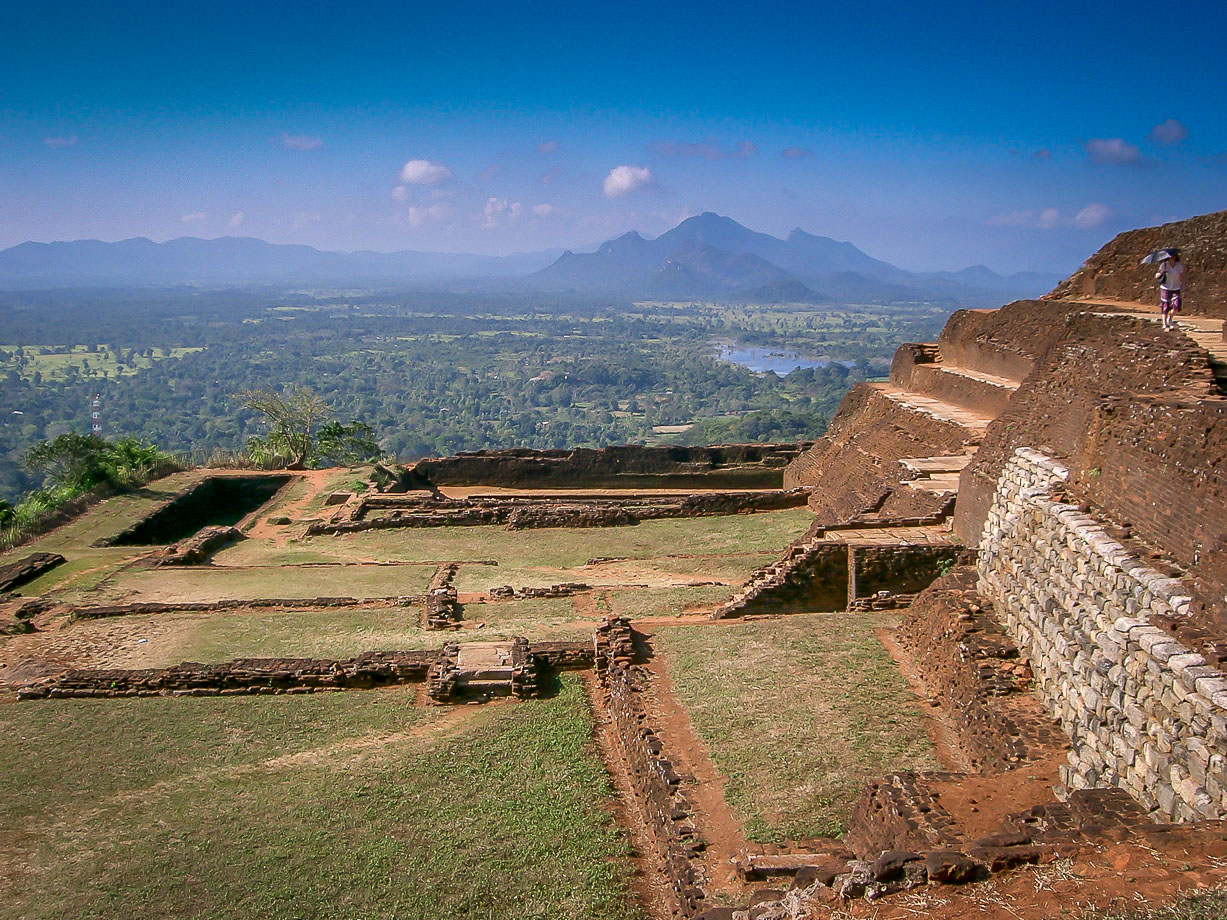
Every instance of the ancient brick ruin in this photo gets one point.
(1041, 493)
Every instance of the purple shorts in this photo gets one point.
(1169, 300)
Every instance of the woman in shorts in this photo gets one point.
(1171, 281)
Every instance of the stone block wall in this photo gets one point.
(1143, 712)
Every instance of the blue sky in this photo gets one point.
(932, 135)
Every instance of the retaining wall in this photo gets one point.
(1143, 712)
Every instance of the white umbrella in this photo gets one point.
(1159, 255)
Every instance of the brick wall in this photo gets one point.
(1115, 272)
(1143, 712)
(1132, 411)
(854, 468)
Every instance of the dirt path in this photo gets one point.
(278, 534)
(716, 822)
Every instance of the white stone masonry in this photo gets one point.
(1144, 713)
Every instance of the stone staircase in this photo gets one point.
(1211, 335)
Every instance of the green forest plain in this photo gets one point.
(431, 373)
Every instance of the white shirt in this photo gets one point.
(1174, 276)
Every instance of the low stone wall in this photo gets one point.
(524, 513)
(293, 603)
(658, 788)
(242, 676)
(197, 548)
(24, 570)
(623, 466)
(1144, 713)
(290, 675)
(442, 608)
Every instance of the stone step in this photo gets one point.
(1207, 333)
(972, 390)
(976, 422)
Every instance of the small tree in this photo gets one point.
(346, 445)
(292, 415)
(300, 435)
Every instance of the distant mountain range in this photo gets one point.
(709, 256)
(703, 257)
(240, 260)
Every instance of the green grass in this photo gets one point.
(1203, 905)
(665, 602)
(799, 713)
(539, 557)
(328, 633)
(169, 808)
(208, 583)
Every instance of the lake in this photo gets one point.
(760, 359)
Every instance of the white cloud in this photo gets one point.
(236, 219)
(544, 210)
(546, 147)
(300, 141)
(303, 219)
(419, 216)
(625, 179)
(498, 210)
(194, 217)
(1112, 150)
(400, 193)
(60, 140)
(796, 153)
(424, 172)
(1169, 132)
(1092, 215)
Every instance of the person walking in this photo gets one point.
(1171, 281)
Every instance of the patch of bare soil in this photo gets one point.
(1119, 875)
(60, 645)
(714, 818)
(279, 535)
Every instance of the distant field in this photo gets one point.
(799, 713)
(61, 362)
(338, 805)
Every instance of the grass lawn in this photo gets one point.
(325, 806)
(329, 633)
(536, 557)
(665, 602)
(798, 713)
(209, 583)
